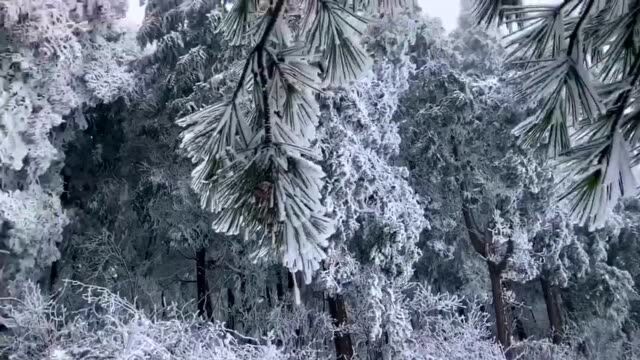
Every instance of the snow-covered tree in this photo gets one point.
(133, 200)
(378, 216)
(257, 168)
(606, 288)
(354, 142)
(479, 184)
(46, 79)
(579, 67)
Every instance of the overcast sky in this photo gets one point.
(135, 14)
(447, 10)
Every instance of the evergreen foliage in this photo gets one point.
(48, 76)
(153, 183)
(256, 167)
(579, 66)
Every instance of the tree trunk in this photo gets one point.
(519, 332)
(205, 309)
(291, 285)
(342, 340)
(267, 293)
(53, 276)
(503, 323)
(163, 302)
(5, 226)
(554, 310)
(231, 301)
(49, 281)
(279, 288)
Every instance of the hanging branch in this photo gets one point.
(259, 50)
(272, 13)
(249, 185)
(576, 31)
(562, 81)
(623, 98)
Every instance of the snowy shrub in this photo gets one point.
(302, 331)
(108, 327)
(412, 322)
(543, 350)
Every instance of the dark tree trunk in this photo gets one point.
(4, 234)
(554, 311)
(147, 248)
(290, 283)
(243, 290)
(163, 302)
(231, 302)
(503, 323)
(342, 340)
(279, 289)
(267, 293)
(205, 309)
(49, 280)
(519, 331)
(53, 276)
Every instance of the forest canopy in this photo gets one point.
(319, 179)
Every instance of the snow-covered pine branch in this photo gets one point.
(256, 164)
(579, 67)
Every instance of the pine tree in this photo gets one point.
(257, 168)
(147, 213)
(378, 216)
(478, 183)
(578, 64)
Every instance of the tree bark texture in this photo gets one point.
(554, 310)
(205, 308)
(503, 323)
(342, 340)
(231, 301)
